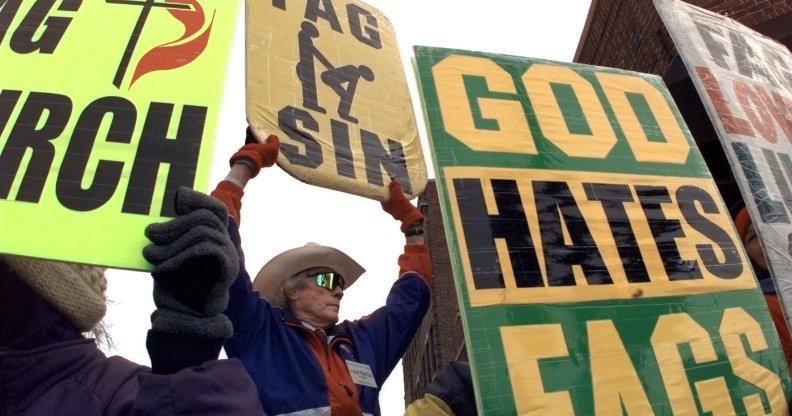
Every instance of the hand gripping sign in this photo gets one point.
(101, 120)
(326, 78)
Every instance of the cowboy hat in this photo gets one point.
(287, 264)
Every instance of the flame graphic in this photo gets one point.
(181, 51)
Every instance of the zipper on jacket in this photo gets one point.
(348, 390)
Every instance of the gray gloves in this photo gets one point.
(195, 263)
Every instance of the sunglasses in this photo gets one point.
(328, 280)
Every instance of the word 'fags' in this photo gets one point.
(736, 340)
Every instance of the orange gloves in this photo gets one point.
(416, 258)
(257, 155)
(400, 207)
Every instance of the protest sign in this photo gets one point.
(744, 80)
(327, 79)
(106, 108)
(597, 268)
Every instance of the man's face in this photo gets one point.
(315, 304)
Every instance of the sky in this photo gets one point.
(280, 212)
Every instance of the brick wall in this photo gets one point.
(441, 337)
(629, 34)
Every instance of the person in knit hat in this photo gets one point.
(48, 367)
(753, 247)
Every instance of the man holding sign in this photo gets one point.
(285, 322)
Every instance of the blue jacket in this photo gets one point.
(287, 374)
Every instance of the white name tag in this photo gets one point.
(361, 374)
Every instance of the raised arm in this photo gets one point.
(194, 264)
(246, 164)
(416, 254)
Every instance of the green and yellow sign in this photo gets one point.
(326, 78)
(106, 108)
(597, 267)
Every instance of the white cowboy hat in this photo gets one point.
(287, 264)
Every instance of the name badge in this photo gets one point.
(361, 374)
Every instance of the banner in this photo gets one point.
(106, 108)
(327, 79)
(744, 80)
(597, 268)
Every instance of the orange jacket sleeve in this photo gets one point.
(416, 259)
(231, 195)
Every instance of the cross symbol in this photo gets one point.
(146, 6)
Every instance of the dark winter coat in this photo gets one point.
(48, 368)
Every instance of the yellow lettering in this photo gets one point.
(614, 379)
(714, 397)
(513, 134)
(674, 149)
(737, 323)
(524, 346)
(671, 331)
(538, 80)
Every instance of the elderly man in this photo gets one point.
(286, 329)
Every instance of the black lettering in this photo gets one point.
(69, 188)
(8, 10)
(156, 148)
(54, 27)
(665, 232)
(281, 4)
(287, 121)
(612, 197)
(481, 230)
(556, 208)
(689, 198)
(314, 11)
(716, 49)
(343, 152)
(780, 68)
(770, 210)
(24, 135)
(778, 175)
(8, 101)
(391, 160)
(745, 56)
(370, 36)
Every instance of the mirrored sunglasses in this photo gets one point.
(328, 280)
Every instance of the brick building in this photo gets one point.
(440, 339)
(626, 34)
(629, 34)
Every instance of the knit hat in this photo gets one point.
(76, 290)
(287, 264)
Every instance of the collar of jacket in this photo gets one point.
(336, 331)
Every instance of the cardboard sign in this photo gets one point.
(326, 78)
(597, 268)
(106, 108)
(744, 80)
